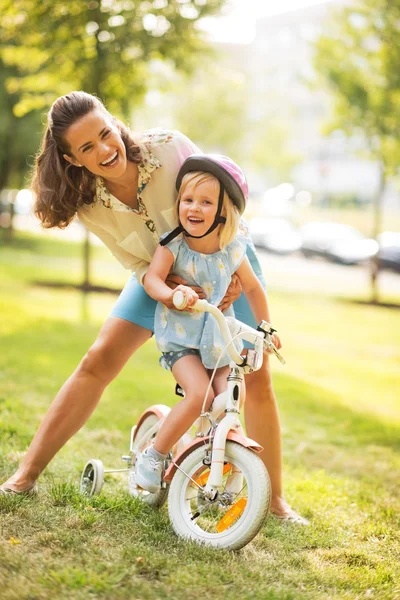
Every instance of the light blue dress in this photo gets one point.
(177, 330)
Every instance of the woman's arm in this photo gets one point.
(255, 295)
(157, 273)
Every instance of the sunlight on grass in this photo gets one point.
(341, 436)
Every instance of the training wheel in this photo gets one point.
(92, 478)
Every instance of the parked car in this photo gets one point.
(276, 235)
(389, 250)
(336, 241)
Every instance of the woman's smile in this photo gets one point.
(95, 142)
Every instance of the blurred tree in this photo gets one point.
(101, 46)
(211, 105)
(270, 153)
(20, 136)
(212, 109)
(358, 57)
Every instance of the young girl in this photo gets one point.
(205, 249)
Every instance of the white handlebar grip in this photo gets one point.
(179, 300)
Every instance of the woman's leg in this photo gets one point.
(193, 378)
(118, 339)
(262, 424)
(261, 410)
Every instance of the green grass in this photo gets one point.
(338, 397)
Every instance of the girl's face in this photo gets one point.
(198, 206)
(96, 144)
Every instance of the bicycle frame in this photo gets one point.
(230, 398)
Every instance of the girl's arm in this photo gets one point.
(255, 295)
(157, 273)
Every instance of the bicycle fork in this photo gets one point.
(214, 481)
(228, 423)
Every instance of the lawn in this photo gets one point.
(338, 397)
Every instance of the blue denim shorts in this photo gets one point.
(136, 306)
(168, 359)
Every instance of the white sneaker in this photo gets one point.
(149, 472)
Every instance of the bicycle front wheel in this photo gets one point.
(235, 517)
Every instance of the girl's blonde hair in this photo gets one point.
(229, 229)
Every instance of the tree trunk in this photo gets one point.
(86, 261)
(9, 232)
(376, 230)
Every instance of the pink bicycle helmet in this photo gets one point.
(229, 174)
(231, 178)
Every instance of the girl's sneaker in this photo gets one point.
(149, 470)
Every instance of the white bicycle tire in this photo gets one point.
(254, 514)
(143, 436)
(92, 478)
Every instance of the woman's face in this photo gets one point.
(96, 144)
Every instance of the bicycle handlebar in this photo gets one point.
(244, 331)
(179, 300)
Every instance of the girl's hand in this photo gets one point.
(174, 280)
(232, 293)
(190, 295)
(275, 339)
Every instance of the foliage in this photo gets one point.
(212, 109)
(20, 136)
(105, 47)
(270, 151)
(102, 46)
(212, 106)
(358, 57)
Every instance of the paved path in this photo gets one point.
(290, 273)
(294, 272)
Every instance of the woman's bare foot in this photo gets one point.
(281, 510)
(19, 485)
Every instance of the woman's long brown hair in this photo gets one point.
(60, 187)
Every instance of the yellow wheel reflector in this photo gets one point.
(233, 513)
(202, 480)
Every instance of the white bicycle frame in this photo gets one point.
(230, 398)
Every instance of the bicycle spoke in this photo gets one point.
(208, 515)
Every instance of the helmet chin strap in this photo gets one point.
(217, 221)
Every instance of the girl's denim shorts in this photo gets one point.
(136, 306)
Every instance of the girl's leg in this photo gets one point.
(192, 376)
(219, 383)
(118, 339)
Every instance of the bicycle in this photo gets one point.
(218, 488)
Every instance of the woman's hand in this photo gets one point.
(232, 293)
(174, 280)
(190, 295)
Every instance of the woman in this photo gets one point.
(123, 189)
